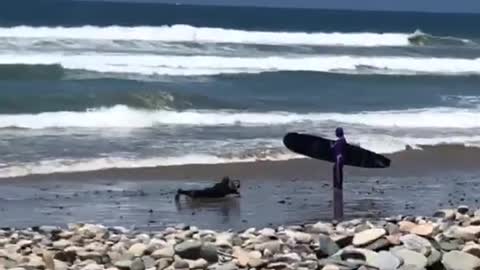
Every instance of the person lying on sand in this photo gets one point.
(219, 190)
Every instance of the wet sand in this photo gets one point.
(273, 193)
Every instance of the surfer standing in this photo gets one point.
(339, 158)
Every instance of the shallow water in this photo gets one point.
(266, 202)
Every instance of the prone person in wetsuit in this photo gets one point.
(219, 190)
(339, 159)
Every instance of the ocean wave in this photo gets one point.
(122, 116)
(187, 33)
(214, 65)
(421, 38)
(31, 72)
(383, 144)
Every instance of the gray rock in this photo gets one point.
(379, 244)
(463, 209)
(61, 244)
(457, 260)
(447, 214)
(277, 265)
(468, 233)
(416, 243)
(410, 257)
(137, 250)
(59, 265)
(434, 257)
(166, 252)
(189, 249)
(209, 252)
(197, 264)
(225, 266)
(164, 263)
(392, 228)
(148, 261)
(137, 264)
(385, 261)
(326, 247)
(123, 265)
(342, 240)
(450, 245)
(273, 246)
(181, 264)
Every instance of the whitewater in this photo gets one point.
(192, 34)
(149, 64)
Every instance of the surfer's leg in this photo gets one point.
(338, 190)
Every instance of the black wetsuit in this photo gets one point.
(339, 153)
(219, 190)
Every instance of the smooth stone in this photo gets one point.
(475, 221)
(411, 257)
(326, 248)
(379, 244)
(331, 267)
(277, 265)
(164, 263)
(123, 265)
(93, 266)
(137, 250)
(180, 264)
(209, 252)
(368, 236)
(423, 229)
(362, 227)
(301, 237)
(59, 265)
(273, 246)
(447, 214)
(241, 255)
(84, 255)
(197, 264)
(224, 240)
(225, 266)
(458, 260)
(166, 252)
(288, 258)
(320, 227)
(137, 264)
(434, 257)
(465, 233)
(257, 262)
(61, 244)
(450, 245)
(148, 261)
(268, 232)
(189, 249)
(394, 239)
(385, 261)
(416, 243)
(48, 260)
(406, 226)
(463, 209)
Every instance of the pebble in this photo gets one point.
(416, 243)
(166, 252)
(423, 229)
(385, 261)
(137, 250)
(189, 249)
(410, 257)
(458, 260)
(368, 236)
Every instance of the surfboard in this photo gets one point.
(320, 148)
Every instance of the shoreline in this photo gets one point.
(431, 160)
(448, 239)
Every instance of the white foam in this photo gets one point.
(187, 33)
(95, 164)
(123, 116)
(147, 64)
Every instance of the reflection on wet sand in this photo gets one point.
(226, 208)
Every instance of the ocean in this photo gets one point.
(107, 108)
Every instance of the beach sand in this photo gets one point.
(273, 193)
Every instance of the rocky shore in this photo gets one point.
(446, 240)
